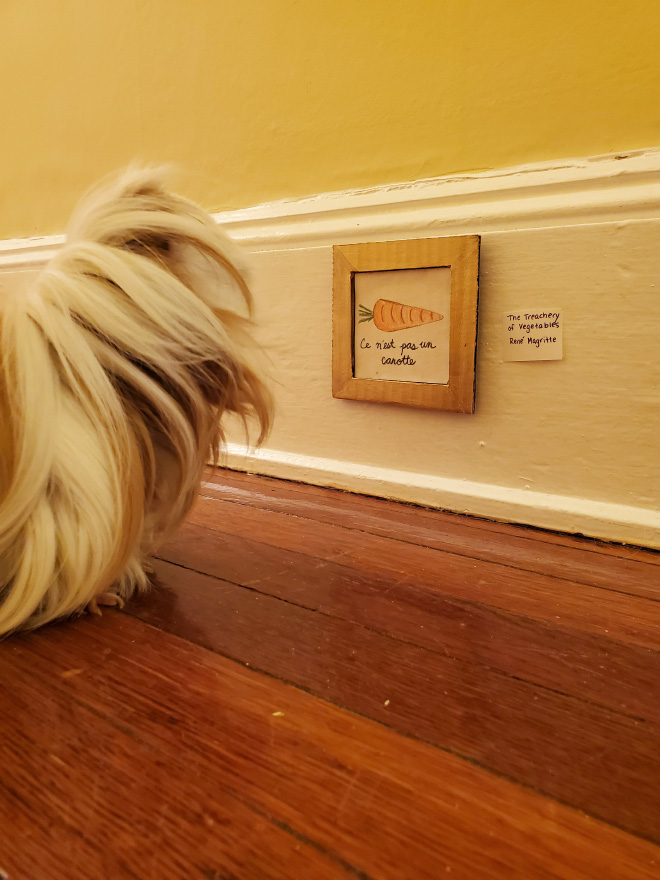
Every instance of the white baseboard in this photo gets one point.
(583, 516)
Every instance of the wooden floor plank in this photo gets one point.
(83, 798)
(388, 806)
(631, 619)
(332, 686)
(622, 677)
(408, 521)
(540, 738)
(635, 574)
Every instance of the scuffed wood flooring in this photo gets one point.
(327, 686)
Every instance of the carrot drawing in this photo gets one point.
(390, 316)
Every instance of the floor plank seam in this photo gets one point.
(332, 854)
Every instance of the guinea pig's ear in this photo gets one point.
(151, 245)
(153, 241)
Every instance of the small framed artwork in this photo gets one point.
(405, 322)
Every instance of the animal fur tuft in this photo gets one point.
(116, 367)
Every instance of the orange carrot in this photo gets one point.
(389, 316)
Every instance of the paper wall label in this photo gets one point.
(533, 335)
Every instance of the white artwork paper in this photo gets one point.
(402, 325)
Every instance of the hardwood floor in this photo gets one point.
(328, 686)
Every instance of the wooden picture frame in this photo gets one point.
(416, 371)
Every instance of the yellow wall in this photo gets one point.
(267, 99)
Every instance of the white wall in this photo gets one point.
(572, 445)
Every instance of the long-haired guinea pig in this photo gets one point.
(116, 366)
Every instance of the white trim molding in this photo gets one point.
(20, 254)
(599, 189)
(581, 516)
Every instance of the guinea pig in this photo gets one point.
(117, 364)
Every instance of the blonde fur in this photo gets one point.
(116, 368)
